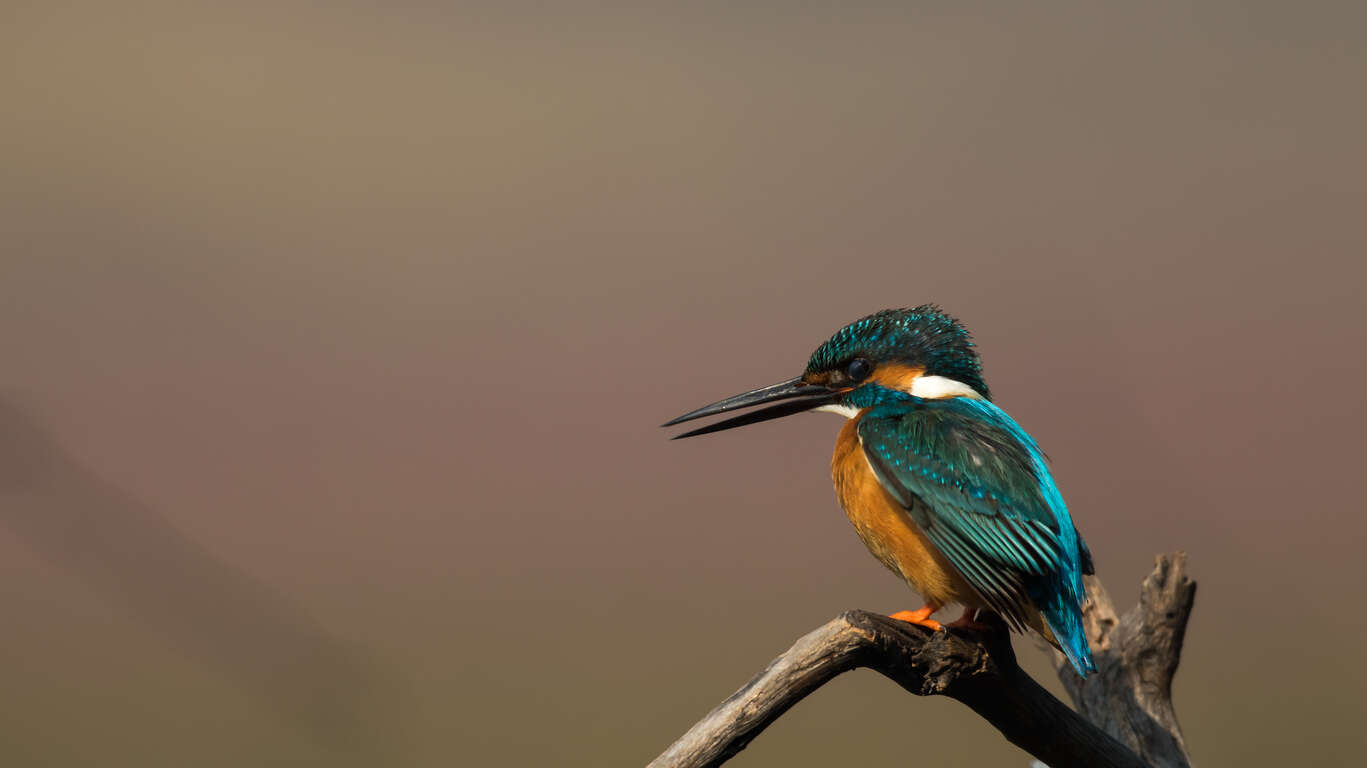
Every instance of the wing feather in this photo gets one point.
(972, 489)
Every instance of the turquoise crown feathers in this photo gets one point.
(923, 335)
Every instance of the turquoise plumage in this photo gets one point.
(978, 486)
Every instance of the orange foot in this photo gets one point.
(920, 616)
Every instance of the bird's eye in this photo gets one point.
(859, 369)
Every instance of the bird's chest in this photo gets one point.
(884, 526)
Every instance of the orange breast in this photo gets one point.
(887, 530)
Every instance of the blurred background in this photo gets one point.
(336, 336)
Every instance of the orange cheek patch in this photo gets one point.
(896, 375)
(823, 378)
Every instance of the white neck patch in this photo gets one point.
(937, 387)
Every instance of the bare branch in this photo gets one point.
(978, 670)
(1130, 694)
(1126, 716)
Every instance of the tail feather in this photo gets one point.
(1085, 555)
(1061, 608)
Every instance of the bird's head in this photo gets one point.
(922, 352)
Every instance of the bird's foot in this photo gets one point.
(969, 622)
(920, 616)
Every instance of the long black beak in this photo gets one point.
(792, 396)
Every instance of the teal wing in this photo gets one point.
(973, 485)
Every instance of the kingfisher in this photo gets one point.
(943, 487)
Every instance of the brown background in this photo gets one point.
(335, 337)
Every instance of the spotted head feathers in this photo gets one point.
(923, 337)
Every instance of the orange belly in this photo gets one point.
(886, 528)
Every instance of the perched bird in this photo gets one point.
(944, 488)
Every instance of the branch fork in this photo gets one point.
(1125, 716)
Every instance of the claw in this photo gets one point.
(969, 621)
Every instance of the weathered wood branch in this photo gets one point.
(979, 669)
(1130, 694)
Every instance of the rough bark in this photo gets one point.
(1126, 716)
(1130, 694)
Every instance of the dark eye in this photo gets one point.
(859, 369)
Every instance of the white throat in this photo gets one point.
(848, 411)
